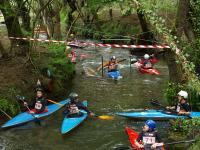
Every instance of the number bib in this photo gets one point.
(149, 140)
(74, 109)
(38, 105)
(148, 65)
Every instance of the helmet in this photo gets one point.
(113, 57)
(72, 35)
(146, 56)
(151, 124)
(73, 96)
(184, 94)
(39, 89)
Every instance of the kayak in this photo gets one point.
(27, 117)
(70, 123)
(114, 75)
(156, 114)
(149, 71)
(76, 45)
(133, 135)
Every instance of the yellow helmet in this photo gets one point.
(71, 35)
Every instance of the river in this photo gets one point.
(105, 97)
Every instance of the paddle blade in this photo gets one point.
(106, 117)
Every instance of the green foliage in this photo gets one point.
(188, 127)
(8, 107)
(172, 89)
(57, 62)
(8, 101)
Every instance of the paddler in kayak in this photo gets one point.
(39, 104)
(182, 107)
(149, 138)
(72, 109)
(112, 64)
(146, 62)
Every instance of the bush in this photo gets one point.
(172, 89)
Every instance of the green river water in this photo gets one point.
(105, 97)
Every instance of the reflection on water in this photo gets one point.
(105, 97)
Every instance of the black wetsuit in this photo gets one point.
(149, 138)
(68, 113)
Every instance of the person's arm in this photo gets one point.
(138, 140)
(171, 107)
(186, 111)
(104, 65)
(158, 141)
(66, 110)
(81, 106)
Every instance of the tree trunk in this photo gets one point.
(11, 20)
(13, 26)
(3, 53)
(47, 19)
(24, 13)
(182, 21)
(175, 72)
(147, 36)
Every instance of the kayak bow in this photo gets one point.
(70, 123)
(27, 117)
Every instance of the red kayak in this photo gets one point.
(133, 135)
(146, 70)
(149, 71)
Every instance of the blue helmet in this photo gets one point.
(151, 124)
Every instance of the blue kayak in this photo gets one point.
(156, 114)
(114, 75)
(27, 117)
(70, 123)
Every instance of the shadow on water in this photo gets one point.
(105, 97)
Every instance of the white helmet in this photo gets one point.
(113, 57)
(146, 56)
(184, 94)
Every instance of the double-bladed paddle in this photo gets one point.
(103, 117)
(170, 143)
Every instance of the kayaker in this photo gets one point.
(39, 104)
(149, 138)
(146, 62)
(73, 108)
(112, 64)
(182, 107)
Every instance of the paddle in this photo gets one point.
(21, 98)
(103, 117)
(105, 64)
(5, 114)
(171, 143)
(156, 103)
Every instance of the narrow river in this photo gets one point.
(105, 97)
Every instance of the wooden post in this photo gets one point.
(130, 63)
(102, 65)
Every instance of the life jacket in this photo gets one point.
(147, 63)
(149, 138)
(180, 107)
(112, 66)
(40, 105)
(73, 109)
